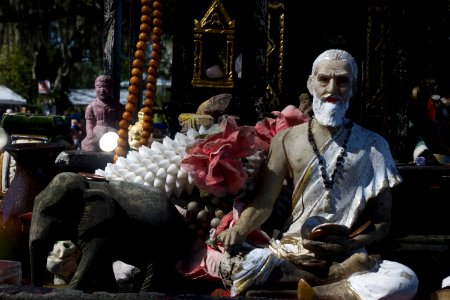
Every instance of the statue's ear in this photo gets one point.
(310, 85)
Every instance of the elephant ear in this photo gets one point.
(99, 215)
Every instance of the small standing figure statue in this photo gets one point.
(135, 131)
(102, 114)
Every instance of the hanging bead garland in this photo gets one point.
(154, 8)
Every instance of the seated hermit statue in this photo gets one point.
(339, 171)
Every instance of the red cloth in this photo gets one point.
(202, 264)
(25, 218)
(204, 261)
(431, 110)
(220, 293)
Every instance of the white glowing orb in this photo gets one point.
(108, 142)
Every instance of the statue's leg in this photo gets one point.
(95, 272)
(97, 228)
(148, 284)
(282, 282)
(337, 291)
(286, 277)
(357, 263)
(156, 252)
(56, 211)
(159, 275)
(337, 286)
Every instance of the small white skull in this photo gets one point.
(63, 260)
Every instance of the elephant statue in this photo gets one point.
(108, 221)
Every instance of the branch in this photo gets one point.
(51, 15)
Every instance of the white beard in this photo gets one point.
(329, 114)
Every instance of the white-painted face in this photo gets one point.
(332, 88)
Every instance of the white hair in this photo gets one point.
(337, 54)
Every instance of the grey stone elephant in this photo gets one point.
(108, 221)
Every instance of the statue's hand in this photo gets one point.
(232, 238)
(331, 246)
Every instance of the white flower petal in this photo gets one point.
(170, 179)
(164, 163)
(161, 174)
(149, 177)
(158, 183)
(138, 179)
(176, 159)
(153, 168)
(142, 171)
(129, 176)
(172, 169)
(182, 173)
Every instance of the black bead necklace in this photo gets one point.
(329, 182)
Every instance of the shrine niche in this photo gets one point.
(214, 38)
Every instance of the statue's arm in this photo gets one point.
(381, 221)
(90, 119)
(260, 208)
(380, 225)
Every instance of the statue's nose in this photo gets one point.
(332, 86)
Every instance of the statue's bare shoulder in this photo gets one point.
(294, 143)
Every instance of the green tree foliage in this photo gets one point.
(15, 73)
(44, 40)
(62, 41)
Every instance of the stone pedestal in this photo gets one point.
(35, 168)
(82, 161)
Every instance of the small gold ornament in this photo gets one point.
(135, 131)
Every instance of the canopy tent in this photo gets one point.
(86, 96)
(8, 96)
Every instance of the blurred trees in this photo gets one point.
(62, 41)
(55, 40)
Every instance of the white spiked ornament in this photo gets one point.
(155, 166)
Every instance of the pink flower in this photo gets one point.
(288, 117)
(215, 163)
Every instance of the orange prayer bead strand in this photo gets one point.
(148, 8)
